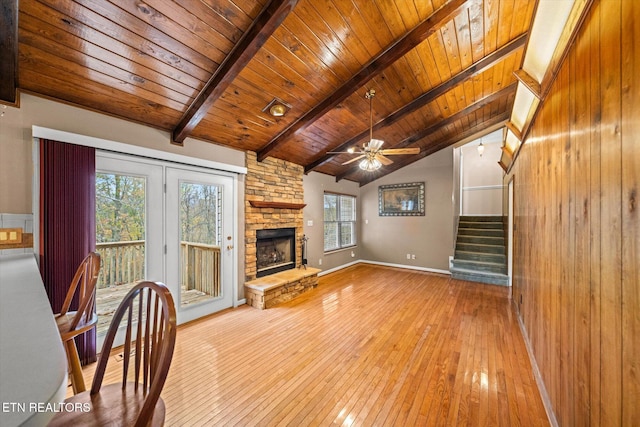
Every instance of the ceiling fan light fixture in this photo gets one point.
(370, 164)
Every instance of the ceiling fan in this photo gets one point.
(371, 154)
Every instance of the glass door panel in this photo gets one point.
(128, 203)
(200, 235)
(200, 240)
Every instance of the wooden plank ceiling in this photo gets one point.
(442, 70)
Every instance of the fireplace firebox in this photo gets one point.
(275, 250)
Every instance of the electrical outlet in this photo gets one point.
(320, 261)
(353, 255)
(10, 235)
(310, 223)
(408, 256)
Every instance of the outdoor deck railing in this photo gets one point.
(123, 262)
(201, 267)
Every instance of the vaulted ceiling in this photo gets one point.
(207, 69)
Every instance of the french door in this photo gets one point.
(200, 241)
(159, 222)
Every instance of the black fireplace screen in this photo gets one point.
(275, 250)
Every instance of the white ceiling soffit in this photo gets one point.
(548, 26)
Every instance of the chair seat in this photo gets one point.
(64, 321)
(111, 406)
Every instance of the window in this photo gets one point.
(339, 221)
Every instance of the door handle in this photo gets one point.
(229, 247)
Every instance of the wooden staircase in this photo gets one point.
(480, 254)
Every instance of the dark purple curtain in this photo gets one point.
(67, 223)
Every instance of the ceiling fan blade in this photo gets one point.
(393, 151)
(375, 144)
(354, 159)
(384, 160)
(342, 152)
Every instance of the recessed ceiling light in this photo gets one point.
(277, 108)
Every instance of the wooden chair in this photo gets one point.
(74, 323)
(136, 400)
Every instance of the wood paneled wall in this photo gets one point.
(577, 225)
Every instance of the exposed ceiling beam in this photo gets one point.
(261, 29)
(9, 49)
(444, 143)
(390, 55)
(479, 104)
(429, 96)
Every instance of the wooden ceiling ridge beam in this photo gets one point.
(272, 15)
(9, 49)
(481, 103)
(429, 96)
(387, 57)
(444, 143)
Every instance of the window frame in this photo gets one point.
(339, 222)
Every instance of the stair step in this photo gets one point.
(480, 256)
(482, 240)
(479, 247)
(480, 218)
(480, 266)
(481, 232)
(480, 224)
(482, 277)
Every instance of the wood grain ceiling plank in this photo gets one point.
(261, 29)
(356, 16)
(393, 17)
(450, 43)
(91, 36)
(476, 20)
(205, 21)
(100, 98)
(463, 37)
(473, 72)
(44, 62)
(9, 49)
(505, 22)
(302, 35)
(120, 25)
(290, 72)
(135, 49)
(239, 14)
(287, 46)
(491, 17)
(32, 28)
(377, 64)
(36, 50)
(182, 25)
(361, 45)
(375, 21)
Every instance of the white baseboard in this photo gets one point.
(546, 400)
(340, 267)
(386, 264)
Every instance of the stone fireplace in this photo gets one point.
(275, 250)
(274, 198)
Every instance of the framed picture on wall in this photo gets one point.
(401, 199)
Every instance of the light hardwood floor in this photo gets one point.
(369, 346)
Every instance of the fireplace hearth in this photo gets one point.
(275, 250)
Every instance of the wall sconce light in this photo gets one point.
(480, 149)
